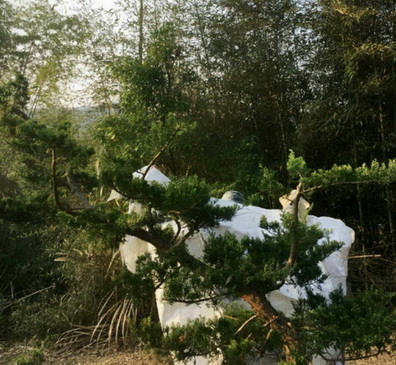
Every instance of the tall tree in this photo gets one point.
(47, 45)
(352, 117)
(252, 77)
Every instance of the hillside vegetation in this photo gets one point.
(260, 97)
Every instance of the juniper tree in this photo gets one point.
(256, 267)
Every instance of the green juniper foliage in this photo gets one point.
(224, 335)
(340, 322)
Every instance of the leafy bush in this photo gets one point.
(360, 325)
(38, 319)
(34, 357)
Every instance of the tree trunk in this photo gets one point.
(294, 244)
(141, 14)
(263, 308)
(387, 190)
(360, 204)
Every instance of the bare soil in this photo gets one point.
(384, 359)
(117, 358)
(9, 355)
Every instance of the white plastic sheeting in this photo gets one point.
(152, 175)
(246, 222)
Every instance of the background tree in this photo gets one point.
(351, 116)
(46, 45)
(253, 85)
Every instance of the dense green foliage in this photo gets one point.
(343, 320)
(223, 336)
(215, 93)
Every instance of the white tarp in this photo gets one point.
(246, 222)
(152, 175)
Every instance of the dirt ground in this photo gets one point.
(384, 359)
(120, 358)
(142, 358)
(115, 357)
(8, 356)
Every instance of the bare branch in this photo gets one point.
(27, 296)
(313, 188)
(157, 156)
(244, 324)
(364, 256)
(361, 357)
(294, 245)
(200, 300)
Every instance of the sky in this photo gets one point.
(77, 91)
(76, 94)
(106, 4)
